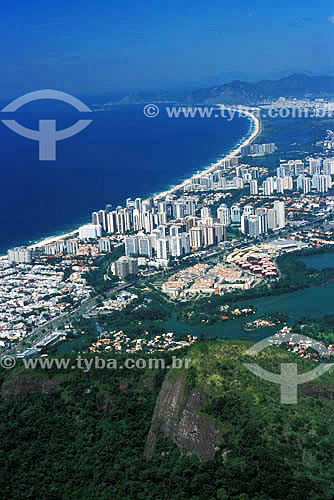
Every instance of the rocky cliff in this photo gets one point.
(177, 415)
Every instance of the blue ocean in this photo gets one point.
(121, 154)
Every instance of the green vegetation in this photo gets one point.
(84, 439)
(233, 233)
(144, 315)
(275, 318)
(211, 310)
(101, 278)
(319, 329)
(296, 275)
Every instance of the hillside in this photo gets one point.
(214, 431)
(239, 92)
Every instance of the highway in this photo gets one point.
(44, 331)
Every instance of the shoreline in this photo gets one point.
(256, 124)
(52, 239)
(257, 130)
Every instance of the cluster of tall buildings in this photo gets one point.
(295, 174)
(253, 221)
(125, 266)
(260, 220)
(72, 246)
(258, 149)
(216, 180)
(276, 185)
(227, 216)
(20, 255)
(155, 236)
(316, 176)
(142, 215)
(176, 240)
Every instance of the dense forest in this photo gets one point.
(70, 434)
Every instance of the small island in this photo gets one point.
(267, 320)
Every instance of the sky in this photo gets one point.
(106, 46)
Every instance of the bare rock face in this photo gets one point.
(177, 415)
(27, 383)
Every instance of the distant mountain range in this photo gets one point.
(241, 92)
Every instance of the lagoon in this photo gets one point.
(311, 302)
(320, 261)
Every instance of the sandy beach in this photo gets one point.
(53, 239)
(173, 189)
(217, 164)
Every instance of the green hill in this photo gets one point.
(213, 431)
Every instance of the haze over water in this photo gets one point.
(120, 154)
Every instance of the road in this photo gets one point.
(44, 331)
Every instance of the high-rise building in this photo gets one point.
(306, 186)
(111, 222)
(163, 230)
(209, 235)
(95, 218)
(205, 212)
(185, 238)
(162, 218)
(90, 231)
(280, 213)
(125, 266)
(298, 167)
(300, 180)
(55, 248)
(148, 222)
(253, 188)
(288, 183)
(272, 218)
(105, 245)
(20, 255)
(120, 221)
(175, 246)
(190, 206)
(267, 188)
(174, 230)
(322, 183)
(196, 237)
(179, 210)
(220, 232)
(279, 185)
(263, 219)
(137, 220)
(314, 166)
(244, 224)
(144, 246)
(248, 210)
(253, 226)
(328, 166)
(102, 216)
(235, 214)
(131, 246)
(238, 183)
(162, 248)
(224, 215)
(127, 219)
(146, 206)
(138, 202)
(72, 246)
